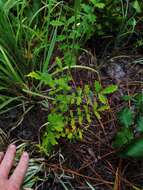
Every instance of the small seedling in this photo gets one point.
(129, 138)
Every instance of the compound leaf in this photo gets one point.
(97, 86)
(56, 122)
(136, 6)
(103, 108)
(133, 149)
(110, 89)
(124, 136)
(140, 123)
(125, 117)
(56, 23)
(102, 99)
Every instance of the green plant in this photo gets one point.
(30, 31)
(17, 56)
(70, 107)
(41, 36)
(129, 138)
(120, 21)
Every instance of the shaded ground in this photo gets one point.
(92, 160)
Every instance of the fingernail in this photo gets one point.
(25, 154)
(12, 146)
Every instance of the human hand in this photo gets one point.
(6, 161)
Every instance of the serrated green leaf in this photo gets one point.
(134, 149)
(100, 5)
(97, 86)
(110, 89)
(125, 117)
(71, 114)
(73, 99)
(61, 38)
(136, 6)
(97, 115)
(95, 105)
(127, 98)
(132, 22)
(80, 116)
(124, 136)
(73, 123)
(43, 77)
(34, 75)
(59, 62)
(48, 141)
(56, 122)
(63, 107)
(78, 101)
(70, 136)
(59, 127)
(87, 89)
(102, 98)
(56, 23)
(97, 4)
(88, 118)
(87, 8)
(80, 119)
(70, 20)
(51, 138)
(86, 109)
(103, 108)
(62, 84)
(139, 99)
(140, 123)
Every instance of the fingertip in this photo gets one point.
(12, 147)
(25, 158)
(25, 155)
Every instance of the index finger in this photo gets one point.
(20, 171)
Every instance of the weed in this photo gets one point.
(70, 107)
(30, 31)
(129, 138)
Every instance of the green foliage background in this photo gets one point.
(33, 33)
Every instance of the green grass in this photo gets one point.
(19, 29)
(28, 39)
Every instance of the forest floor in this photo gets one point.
(93, 160)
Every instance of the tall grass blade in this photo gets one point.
(51, 48)
(7, 102)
